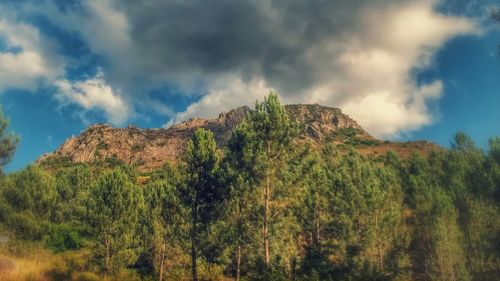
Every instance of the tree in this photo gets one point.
(202, 192)
(31, 198)
(269, 135)
(73, 188)
(448, 260)
(238, 177)
(114, 210)
(367, 218)
(495, 16)
(437, 248)
(461, 141)
(163, 220)
(8, 142)
(493, 165)
(314, 214)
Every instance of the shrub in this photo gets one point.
(64, 237)
(87, 276)
(25, 226)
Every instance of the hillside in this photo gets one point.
(261, 211)
(150, 148)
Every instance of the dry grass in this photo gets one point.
(42, 265)
(34, 267)
(403, 149)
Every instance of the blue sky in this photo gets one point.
(415, 69)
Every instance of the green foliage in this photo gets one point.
(137, 147)
(57, 163)
(32, 189)
(163, 222)
(113, 211)
(8, 142)
(320, 214)
(102, 145)
(202, 190)
(360, 141)
(24, 226)
(265, 139)
(64, 237)
(202, 193)
(495, 15)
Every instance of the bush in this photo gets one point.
(64, 237)
(87, 276)
(78, 261)
(208, 271)
(25, 226)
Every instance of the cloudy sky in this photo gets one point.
(405, 69)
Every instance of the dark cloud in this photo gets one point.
(348, 53)
(274, 39)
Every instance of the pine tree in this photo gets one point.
(238, 177)
(163, 220)
(270, 132)
(8, 142)
(202, 193)
(114, 210)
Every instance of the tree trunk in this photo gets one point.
(379, 244)
(194, 266)
(106, 259)
(162, 260)
(266, 223)
(266, 208)
(317, 224)
(238, 261)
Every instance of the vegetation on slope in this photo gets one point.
(261, 209)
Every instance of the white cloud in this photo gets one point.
(368, 74)
(25, 62)
(387, 115)
(31, 60)
(105, 29)
(94, 93)
(359, 57)
(222, 97)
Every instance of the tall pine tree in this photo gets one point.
(269, 134)
(8, 142)
(202, 192)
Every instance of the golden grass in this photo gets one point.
(38, 264)
(32, 267)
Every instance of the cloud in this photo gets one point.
(26, 59)
(386, 115)
(94, 93)
(358, 57)
(30, 60)
(354, 55)
(222, 96)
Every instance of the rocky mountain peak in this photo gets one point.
(321, 121)
(150, 148)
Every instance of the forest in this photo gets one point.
(263, 207)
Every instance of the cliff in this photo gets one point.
(151, 148)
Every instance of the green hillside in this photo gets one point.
(265, 206)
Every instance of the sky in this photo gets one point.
(405, 70)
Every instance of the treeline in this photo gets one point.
(266, 207)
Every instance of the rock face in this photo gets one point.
(151, 148)
(319, 121)
(147, 148)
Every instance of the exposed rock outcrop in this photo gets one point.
(151, 148)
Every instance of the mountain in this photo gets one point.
(150, 148)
